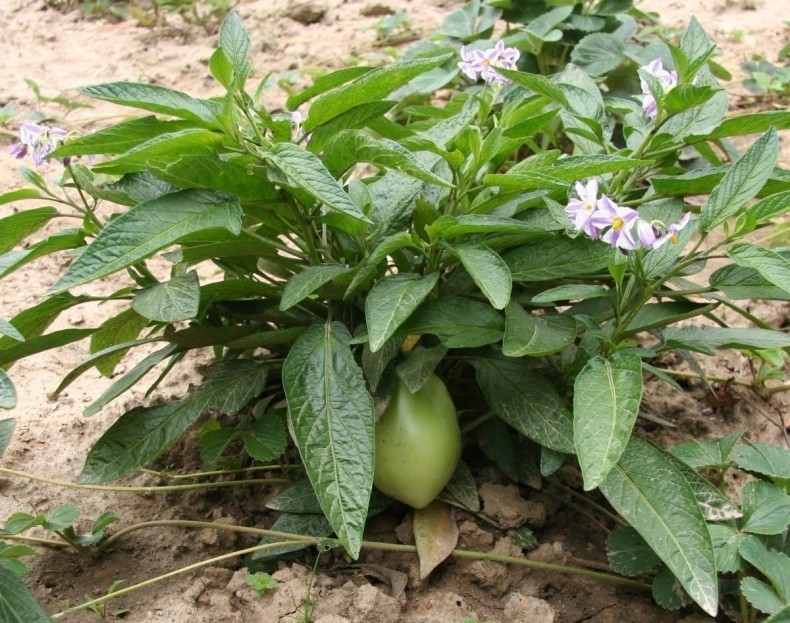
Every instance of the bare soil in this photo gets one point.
(61, 51)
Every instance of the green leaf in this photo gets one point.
(235, 43)
(726, 539)
(556, 258)
(770, 265)
(536, 335)
(17, 227)
(462, 487)
(130, 379)
(739, 282)
(305, 171)
(324, 83)
(34, 320)
(606, 397)
(419, 366)
(775, 566)
(654, 497)
(687, 96)
(780, 616)
(763, 458)
(706, 339)
(741, 182)
(158, 99)
(655, 315)
(293, 523)
(369, 267)
(349, 147)
(599, 53)
(628, 552)
(121, 137)
(453, 226)
(708, 453)
(303, 284)
(118, 329)
(470, 20)
(40, 343)
(148, 228)
(700, 119)
(763, 211)
(6, 432)
(391, 301)
(766, 509)
(571, 292)
(369, 87)
(488, 270)
(714, 504)
(8, 399)
(331, 416)
(20, 194)
(537, 84)
(756, 123)
(668, 591)
(760, 595)
(64, 516)
(170, 301)
(267, 437)
(457, 322)
(17, 605)
(697, 48)
(374, 365)
(526, 401)
(95, 359)
(299, 498)
(60, 241)
(212, 173)
(142, 434)
(357, 117)
(161, 150)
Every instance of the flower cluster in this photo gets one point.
(667, 79)
(484, 63)
(619, 226)
(37, 140)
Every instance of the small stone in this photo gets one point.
(306, 11)
(548, 552)
(520, 608)
(376, 9)
(504, 504)
(332, 618)
(472, 536)
(370, 604)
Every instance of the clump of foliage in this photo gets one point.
(526, 243)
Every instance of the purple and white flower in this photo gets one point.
(667, 79)
(581, 210)
(620, 222)
(484, 63)
(672, 232)
(37, 140)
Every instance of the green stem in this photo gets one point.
(395, 547)
(203, 563)
(153, 489)
(718, 379)
(219, 472)
(34, 540)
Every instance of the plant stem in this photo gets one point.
(218, 472)
(153, 489)
(34, 540)
(396, 547)
(203, 563)
(718, 379)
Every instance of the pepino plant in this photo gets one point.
(381, 282)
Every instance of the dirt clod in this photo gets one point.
(521, 608)
(504, 504)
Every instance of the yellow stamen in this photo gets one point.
(617, 224)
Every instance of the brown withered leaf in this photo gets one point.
(435, 534)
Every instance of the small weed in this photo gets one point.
(261, 582)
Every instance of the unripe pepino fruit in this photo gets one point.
(418, 443)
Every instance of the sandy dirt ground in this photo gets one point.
(62, 51)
